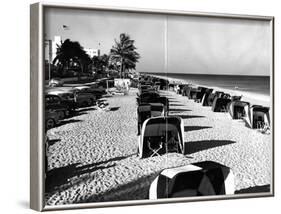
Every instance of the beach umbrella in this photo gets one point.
(197, 179)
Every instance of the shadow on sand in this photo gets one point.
(197, 146)
(114, 108)
(85, 109)
(53, 141)
(178, 109)
(59, 177)
(137, 189)
(255, 189)
(173, 104)
(188, 116)
(195, 128)
(64, 122)
(76, 114)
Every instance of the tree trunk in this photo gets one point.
(121, 68)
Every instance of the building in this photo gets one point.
(92, 52)
(51, 49)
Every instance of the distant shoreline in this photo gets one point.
(253, 98)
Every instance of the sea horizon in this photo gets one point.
(244, 83)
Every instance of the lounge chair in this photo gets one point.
(257, 117)
(198, 97)
(197, 179)
(220, 104)
(205, 99)
(237, 109)
(144, 112)
(146, 97)
(163, 134)
(157, 109)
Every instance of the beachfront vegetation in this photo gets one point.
(100, 64)
(124, 54)
(72, 60)
(71, 56)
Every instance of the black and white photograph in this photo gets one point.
(143, 106)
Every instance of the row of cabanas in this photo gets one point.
(255, 116)
(161, 134)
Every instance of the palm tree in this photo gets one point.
(69, 52)
(100, 63)
(124, 52)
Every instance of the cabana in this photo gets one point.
(257, 117)
(199, 94)
(157, 109)
(161, 135)
(147, 96)
(171, 86)
(220, 104)
(205, 98)
(213, 96)
(185, 89)
(144, 112)
(197, 179)
(192, 93)
(237, 109)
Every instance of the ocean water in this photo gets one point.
(252, 84)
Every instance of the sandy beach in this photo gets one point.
(92, 156)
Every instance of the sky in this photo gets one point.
(198, 45)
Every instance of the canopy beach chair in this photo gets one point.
(199, 94)
(205, 98)
(157, 109)
(147, 96)
(144, 112)
(191, 93)
(197, 179)
(161, 135)
(212, 96)
(220, 104)
(257, 117)
(237, 109)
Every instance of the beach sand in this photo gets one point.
(92, 156)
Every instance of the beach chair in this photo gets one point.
(205, 98)
(220, 104)
(157, 109)
(257, 117)
(155, 145)
(148, 97)
(144, 112)
(237, 109)
(200, 94)
(161, 135)
(191, 94)
(197, 179)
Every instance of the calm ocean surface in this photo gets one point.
(254, 84)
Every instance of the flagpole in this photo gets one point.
(166, 44)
